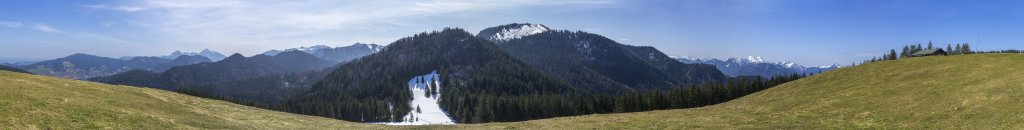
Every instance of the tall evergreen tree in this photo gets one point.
(949, 48)
(967, 49)
(905, 52)
(930, 45)
(892, 54)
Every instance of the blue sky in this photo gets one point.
(809, 32)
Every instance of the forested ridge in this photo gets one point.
(258, 80)
(482, 83)
(586, 59)
(373, 89)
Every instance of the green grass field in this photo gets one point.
(981, 91)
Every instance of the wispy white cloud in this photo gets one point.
(11, 24)
(244, 22)
(46, 28)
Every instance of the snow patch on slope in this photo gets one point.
(513, 31)
(425, 107)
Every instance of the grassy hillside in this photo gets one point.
(39, 102)
(983, 91)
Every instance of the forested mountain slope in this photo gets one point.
(235, 67)
(373, 88)
(257, 80)
(84, 66)
(586, 59)
(482, 81)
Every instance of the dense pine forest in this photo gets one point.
(482, 108)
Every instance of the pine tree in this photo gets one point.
(967, 49)
(892, 54)
(418, 109)
(930, 45)
(433, 87)
(426, 91)
(949, 48)
(905, 52)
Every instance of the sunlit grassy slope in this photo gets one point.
(39, 102)
(983, 91)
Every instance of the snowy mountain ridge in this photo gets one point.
(512, 31)
(310, 49)
(213, 55)
(747, 60)
(336, 54)
(755, 66)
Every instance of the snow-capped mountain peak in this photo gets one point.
(336, 54)
(374, 47)
(755, 65)
(832, 66)
(512, 31)
(754, 59)
(789, 64)
(213, 55)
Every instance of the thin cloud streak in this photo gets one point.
(46, 28)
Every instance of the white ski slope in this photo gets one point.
(430, 112)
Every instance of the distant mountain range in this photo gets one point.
(335, 54)
(212, 55)
(258, 79)
(756, 66)
(83, 66)
(234, 67)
